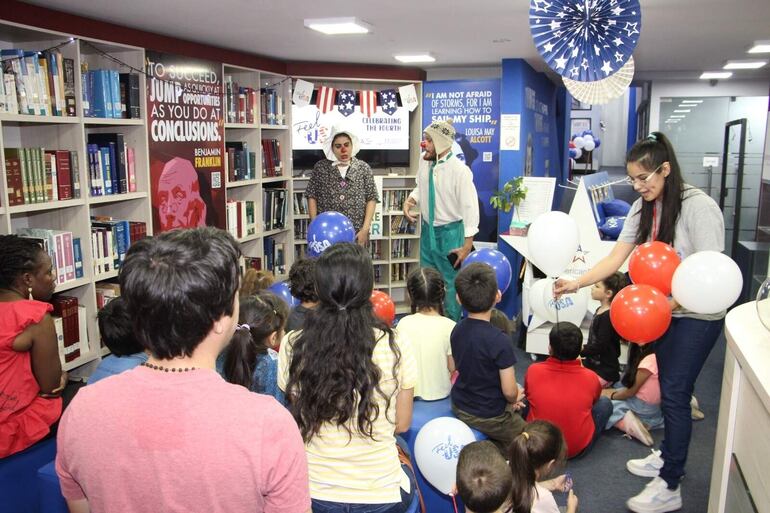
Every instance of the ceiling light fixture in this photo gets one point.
(714, 75)
(415, 58)
(677, 116)
(338, 26)
(760, 47)
(678, 111)
(696, 102)
(744, 64)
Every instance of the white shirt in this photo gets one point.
(433, 332)
(456, 197)
(544, 501)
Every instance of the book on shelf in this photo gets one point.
(300, 229)
(113, 149)
(240, 102)
(110, 240)
(35, 175)
(274, 208)
(241, 218)
(66, 314)
(271, 158)
(399, 272)
(300, 204)
(394, 199)
(110, 94)
(239, 161)
(59, 244)
(36, 83)
(275, 256)
(375, 249)
(271, 107)
(249, 262)
(130, 95)
(401, 248)
(105, 292)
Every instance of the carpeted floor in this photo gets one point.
(601, 480)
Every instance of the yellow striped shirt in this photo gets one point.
(359, 470)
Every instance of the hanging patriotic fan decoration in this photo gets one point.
(602, 91)
(585, 40)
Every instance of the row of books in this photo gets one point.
(274, 208)
(400, 225)
(271, 104)
(375, 249)
(379, 275)
(110, 240)
(105, 292)
(35, 83)
(37, 175)
(394, 200)
(241, 218)
(241, 164)
(300, 204)
(400, 272)
(69, 320)
(271, 158)
(64, 249)
(401, 248)
(111, 164)
(240, 102)
(249, 262)
(110, 94)
(300, 229)
(275, 256)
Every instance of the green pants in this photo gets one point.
(434, 254)
(501, 429)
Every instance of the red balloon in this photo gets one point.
(384, 308)
(640, 313)
(654, 263)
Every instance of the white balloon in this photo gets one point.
(537, 292)
(589, 145)
(579, 142)
(588, 138)
(553, 239)
(707, 282)
(437, 448)
(568, 308)
(578, 153)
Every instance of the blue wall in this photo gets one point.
(544, 111)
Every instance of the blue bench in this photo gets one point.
(18, 476)
(425, 411)
(50, 499)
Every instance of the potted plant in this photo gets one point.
(514, 191)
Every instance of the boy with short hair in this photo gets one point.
(302, 287)
(484, 481)
(117, 333)
(486, 387)
(562, 391)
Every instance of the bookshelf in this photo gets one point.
(390, 271)
(72, 134)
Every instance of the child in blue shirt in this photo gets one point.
(117, 334)
(251, 359)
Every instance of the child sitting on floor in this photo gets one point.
(250, 359)
(429, 331)
(636, 407)
(484, 480)
(534, 456)
(118, 335)
(601, 352)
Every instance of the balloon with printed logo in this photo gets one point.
(640, 313)
(282, 290)
(384, 308)
(437, 448)
(326, 229)
(654, 263)
(707, 282)
(569, 307)
(553, 239)
(497, 261)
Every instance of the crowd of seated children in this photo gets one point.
(429, 331)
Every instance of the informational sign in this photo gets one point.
(474, 108)
(377, 227)
(186, 142)
(510, 132)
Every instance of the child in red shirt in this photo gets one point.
(562, 391)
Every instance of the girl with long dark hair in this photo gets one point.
(671, 211)
(349, 382)
(251, 360)
(535, 454)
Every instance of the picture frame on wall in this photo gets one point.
(578, 105)
(579, 125)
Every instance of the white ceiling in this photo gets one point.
(677, 35)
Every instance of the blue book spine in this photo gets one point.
(114, 169)
(85, 79)
(123, 235)
(77, 253)
(99, 108)
(106, 170)
(117, 105)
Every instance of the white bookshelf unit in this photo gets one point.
(71, 133)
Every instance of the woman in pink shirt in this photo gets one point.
(636, 407)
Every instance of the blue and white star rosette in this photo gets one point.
(585, 40)
(389, 101)
(346, 102)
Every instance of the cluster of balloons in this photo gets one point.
(706, 282)
(584, 141)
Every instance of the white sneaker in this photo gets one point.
(656, 498)
(646, 467)
(634, 427)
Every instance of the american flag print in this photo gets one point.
(325, 99)
(368, 103)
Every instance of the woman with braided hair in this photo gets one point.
(31, 378)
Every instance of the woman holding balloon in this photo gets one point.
(680, 215)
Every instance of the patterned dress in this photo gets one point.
(348, 195)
